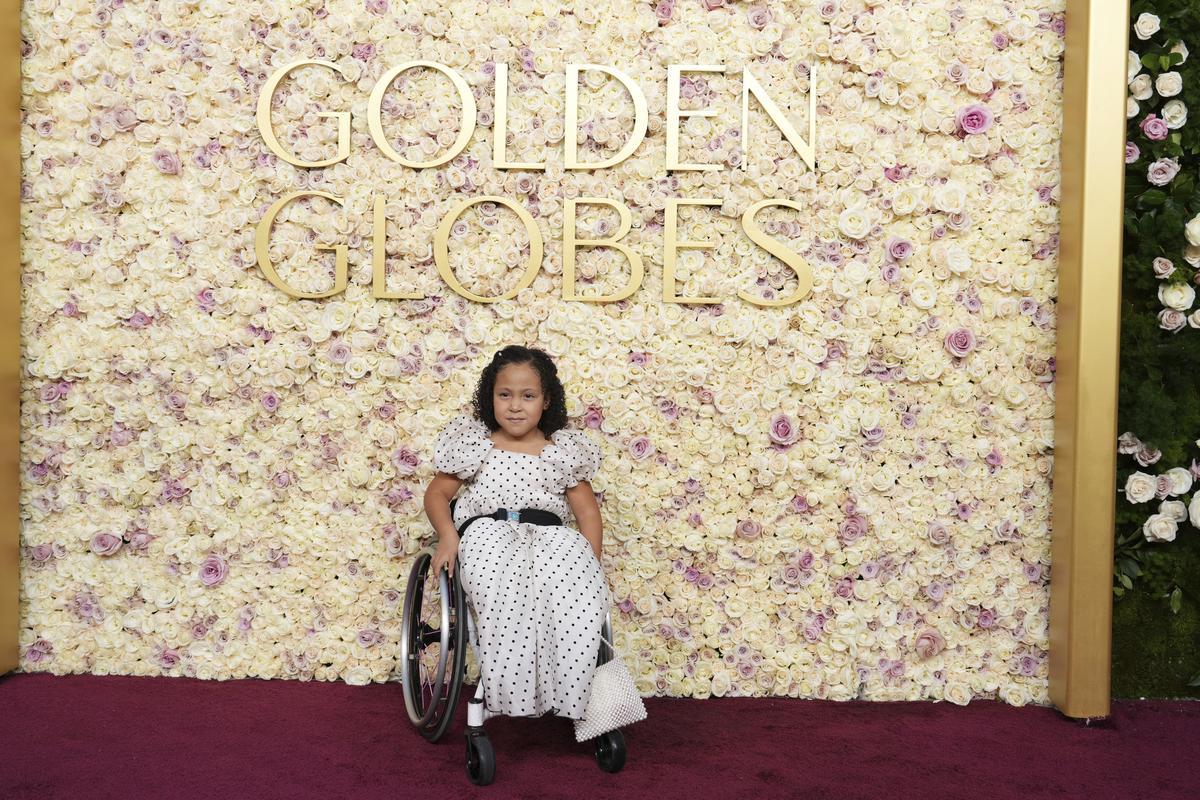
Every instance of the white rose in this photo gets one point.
(1139, 487)
(1181, 480)
(854, 222)
(1131, 108)
(1194, 511)
(952, 257)
(1175, 509)
(1141, 87)
(1160, 528)
(1174, 113)
(1134, 66)
(950, 197)
(1168, 84)
(1192, 231)
(1177, 296)
(922, 294)
(1146, 26)
(1180, 48)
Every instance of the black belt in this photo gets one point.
(535, 516)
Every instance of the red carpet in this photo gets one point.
(93, 737)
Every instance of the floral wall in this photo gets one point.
(843, 497)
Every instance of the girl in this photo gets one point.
(538, 590)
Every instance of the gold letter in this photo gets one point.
(264, 118)
(674, 114)
(806, 150)
(441, 248)
(375, 121)
(570, 243)
(379, 256)
(671, 244)
(789, 257)
(640, 118)
(500, 127)
(263, 234)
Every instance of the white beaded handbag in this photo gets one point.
(614, 701)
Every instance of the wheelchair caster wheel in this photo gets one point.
(481, 760)
(610, 751)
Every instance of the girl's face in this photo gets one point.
(517, 399)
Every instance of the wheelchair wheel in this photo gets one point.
(610, 751)
(432, 647)
(481, 759)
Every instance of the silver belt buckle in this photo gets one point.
(513, 516)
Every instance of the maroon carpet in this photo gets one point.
(92, 737)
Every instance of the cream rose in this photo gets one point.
(1168, 84)
(1177, 296)
(1139, 487)
(1160, 528)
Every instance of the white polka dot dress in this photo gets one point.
(538, 592)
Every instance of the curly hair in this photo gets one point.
(554, 418)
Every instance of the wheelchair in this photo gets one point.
(437, 623)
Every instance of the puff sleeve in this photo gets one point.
(573, 456)
(461, 447)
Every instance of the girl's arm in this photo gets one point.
(438, 494)
(583, 504)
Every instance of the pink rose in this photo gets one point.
(929, 643)
(748, 529)
(1154, 128)
(1132, 152)
(975, 118)
(783, 431)
(852, 528)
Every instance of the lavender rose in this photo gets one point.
(641, 448)
(960, 342)
(213, 570)
(898, 249)
(105, 543)
(167, 162)
(1132, 152)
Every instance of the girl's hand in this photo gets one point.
(444, 557)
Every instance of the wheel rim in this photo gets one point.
(430, 648)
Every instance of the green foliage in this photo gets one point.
(1155, 583)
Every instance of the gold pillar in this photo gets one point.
(1085, 429)
(10, 335)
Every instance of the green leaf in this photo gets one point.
(1175, 58)
(1176, 600)
(1118, 591)
(1154, 197)
(1125, 581)
(1149, 60)
(1195, 681)
(1164, 62)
